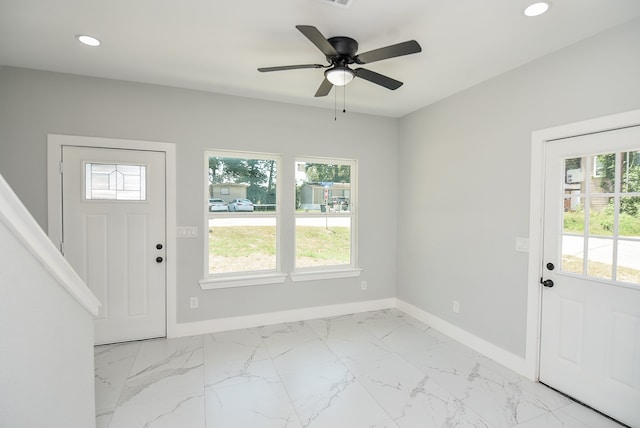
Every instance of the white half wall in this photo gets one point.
(46, 329)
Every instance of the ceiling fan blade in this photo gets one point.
(377, 78)
(290, 67)
(316, 37)
(324, 89)
(392, 51)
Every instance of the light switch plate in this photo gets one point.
(187, 231)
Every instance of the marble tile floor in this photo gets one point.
(373, 369)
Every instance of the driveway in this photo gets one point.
(601, 250)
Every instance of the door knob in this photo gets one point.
(546, 282)
(159, 246)
(159, 259)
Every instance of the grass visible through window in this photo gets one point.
(601, 223)
(251, 248)
(320, 246)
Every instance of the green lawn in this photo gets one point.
(242, 241)
(601, 223)
(244, 248)
(322, 243)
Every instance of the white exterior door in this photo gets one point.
(590, 338)
(113, 211)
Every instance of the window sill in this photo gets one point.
(242, 281)
(314, 275)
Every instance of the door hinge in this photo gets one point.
(61, 167)
(62, 247)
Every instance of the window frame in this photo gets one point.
(329, 271)
(243, 278)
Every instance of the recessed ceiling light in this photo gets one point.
(88, 40)
(537, 9)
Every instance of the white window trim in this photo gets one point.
(240, 280)
(245, 278)
(316, 274)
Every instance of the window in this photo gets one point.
(602, 216)
(242, 214)
(117, 182)
(244, 219)
(324, 216)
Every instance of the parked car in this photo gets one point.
(240, 204)
(338, 203)
(216, 205)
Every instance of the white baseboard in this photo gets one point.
(293, 315)
(504, 357)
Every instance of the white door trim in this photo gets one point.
(54, 199)
(536, 218)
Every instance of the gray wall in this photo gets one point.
(35, 103)
(464, 163)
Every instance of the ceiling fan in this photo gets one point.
(341, 52)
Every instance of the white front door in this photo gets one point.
(113, 210)
(590, 338)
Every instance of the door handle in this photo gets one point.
(546, 282)
(159, 259)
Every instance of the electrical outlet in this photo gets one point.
(456, 306)
(363, 285)
(193, 302)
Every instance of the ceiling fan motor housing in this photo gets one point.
(346, 48)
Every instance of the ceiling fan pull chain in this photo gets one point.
(335, 105)
(344, 99)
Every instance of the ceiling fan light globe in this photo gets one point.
(339, 76)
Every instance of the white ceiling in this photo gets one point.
(216, 45)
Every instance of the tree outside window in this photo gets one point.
(242, 213)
